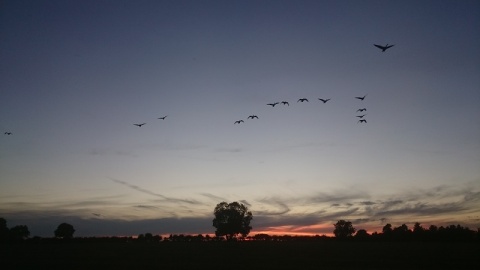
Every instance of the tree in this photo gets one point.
(387, 229)
(232, 219)
(19, 232)
(3, 229)
(343, 229)
(64, 231)
(362, 234)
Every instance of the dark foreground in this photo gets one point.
(242, 255)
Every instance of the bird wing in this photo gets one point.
(389, 46)
(379, 46)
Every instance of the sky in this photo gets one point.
(75, 76)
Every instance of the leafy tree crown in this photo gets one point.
(232, 219)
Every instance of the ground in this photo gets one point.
(242, 255)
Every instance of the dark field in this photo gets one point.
(242, 255)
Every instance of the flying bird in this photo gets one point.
(252, 116)
(302, 100)
(163, 118)
(362, 121)
(238, 122)
(361, 98)
(272, 104)
(324, 100)
(361, 110)
(383, 48)
(361, 116)
(8, 133)
(139, 125)
(285, 103)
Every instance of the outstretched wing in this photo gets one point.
(380, 46)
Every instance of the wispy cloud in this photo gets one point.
(273, 207)
(164, 198)
(214, 197)
(110, 152)
(358, 207)
(228, 150)
(304, 213)
(146, 206)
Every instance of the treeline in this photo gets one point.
(343, 231)
(390, 233)
(16, 233)
(419, 233)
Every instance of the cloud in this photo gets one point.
(164, 198)
(214, 197)
(338, 196)
(279, 207)
(405, 207)
(304, 213)
(229, 150)
(246, 203)
(110, 152)
(146, 206)
(367, 203)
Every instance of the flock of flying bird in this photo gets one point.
(140, 125)
(306, 100)
(361, 117)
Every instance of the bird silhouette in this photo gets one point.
(302, 100)
(272, 104)
(252, 116)
(8, 133)
(361, 116)
(361, 98)
(285, 103)
(324, 100)
(362, 121)
(383, 48)
(238, 122)
(163, 118)
(361, 110)
(139, 125)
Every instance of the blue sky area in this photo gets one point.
(75, 76)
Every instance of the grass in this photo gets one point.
(242, 255)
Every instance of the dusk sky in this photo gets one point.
(75, 76)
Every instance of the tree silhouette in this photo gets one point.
(19, 232)
(3, 229)
(362, 234)
(232, 219)
(387, 231)
(64, 231)
(343, 229)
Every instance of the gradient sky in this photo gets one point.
(76, 75)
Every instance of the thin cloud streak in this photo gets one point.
(165, 198)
